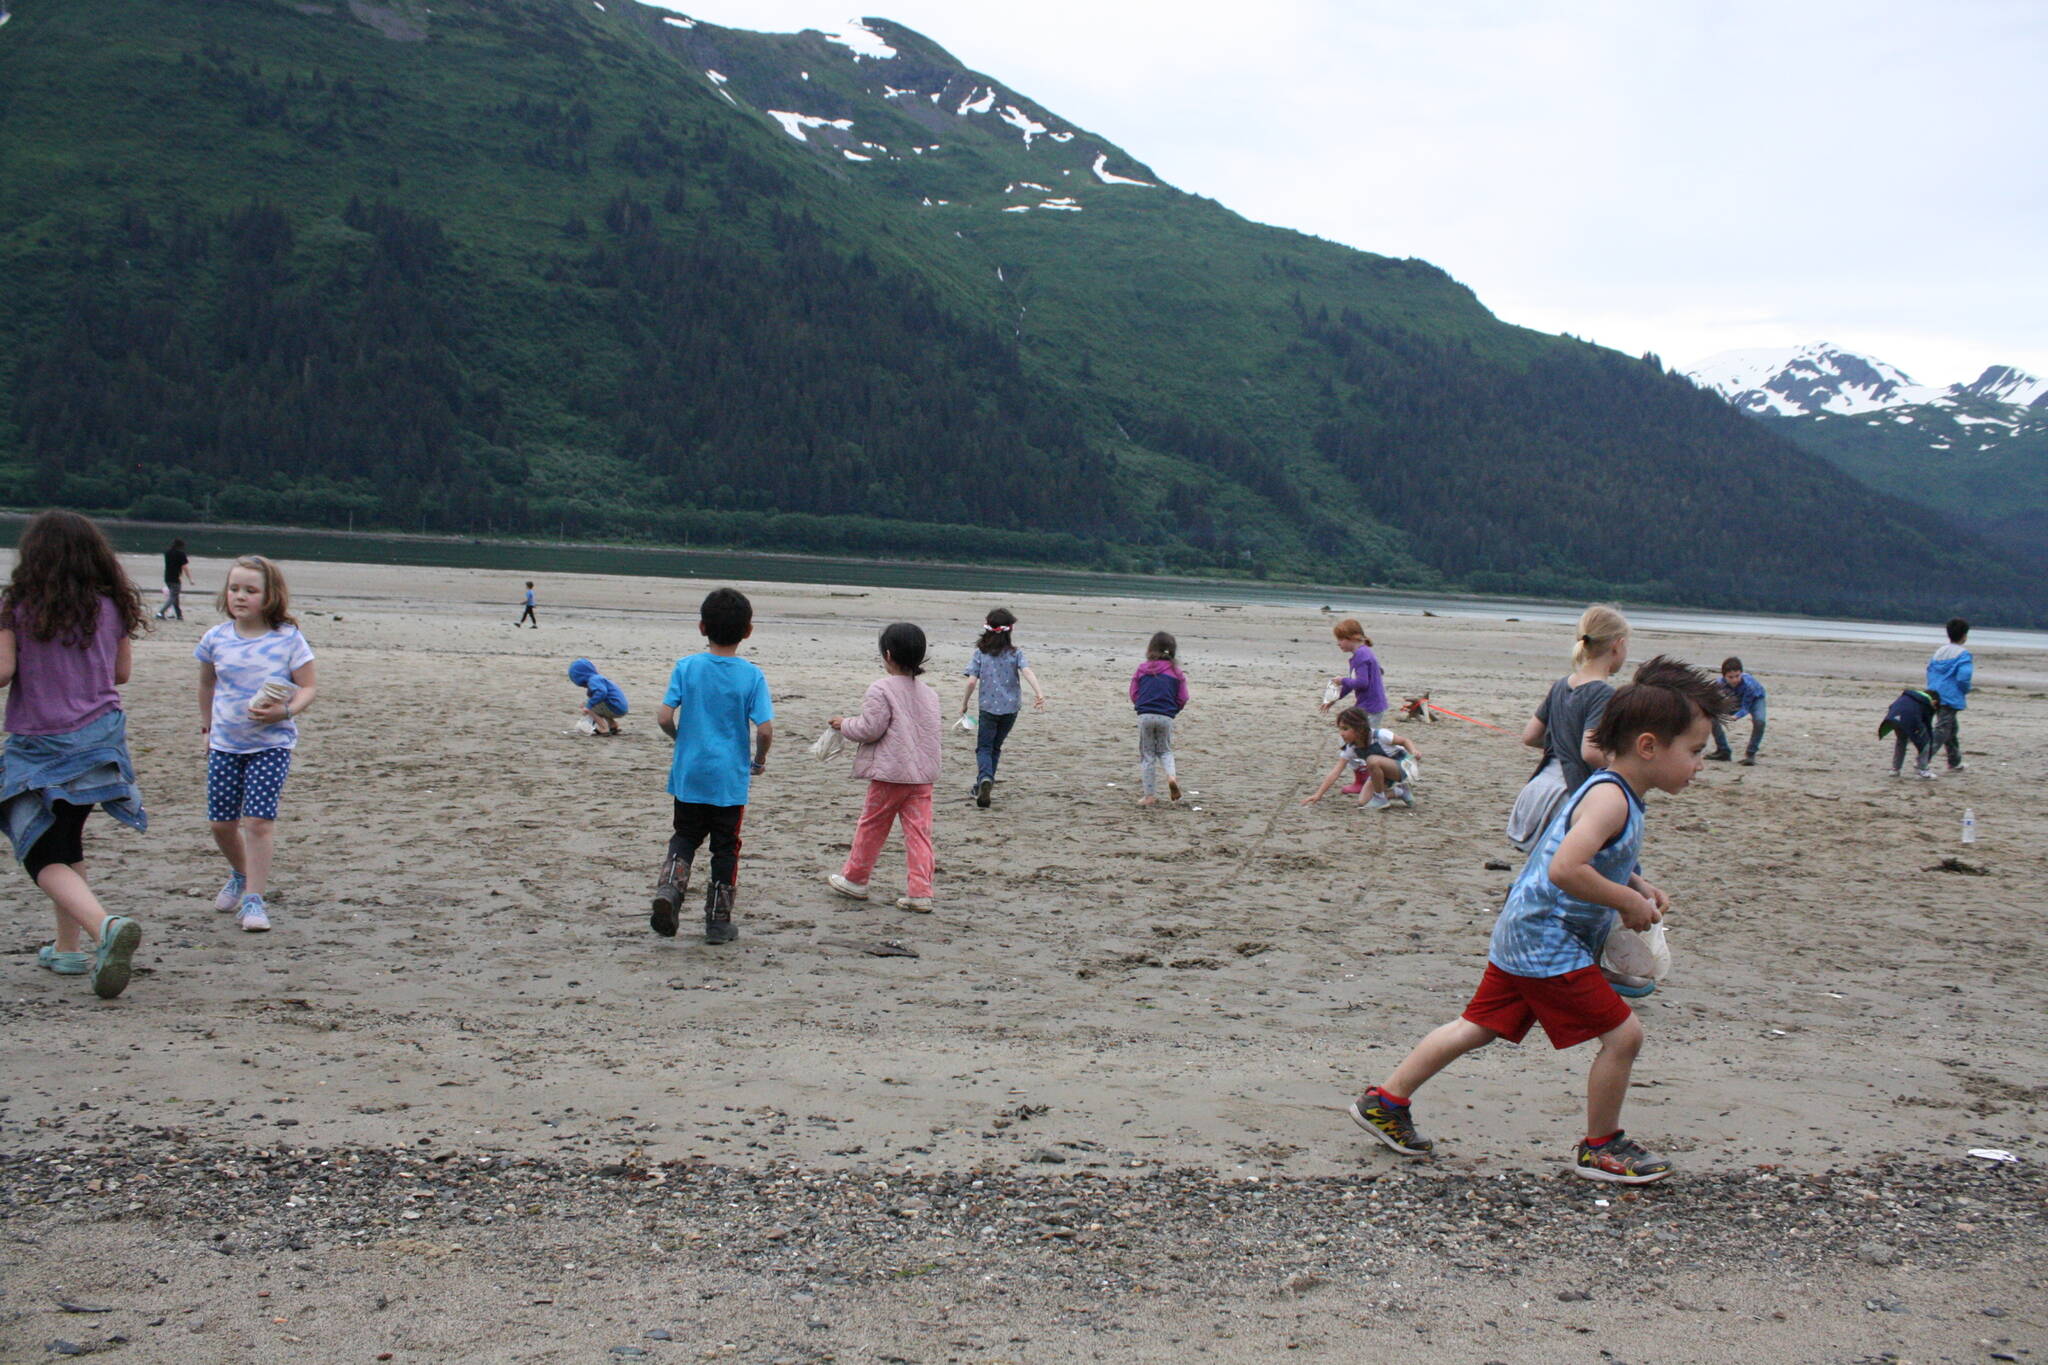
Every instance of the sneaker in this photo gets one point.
(1749, 760)
(1959, 767)
(1404, 796)
(63, 964)
(1721, 757)
(119, 938)
(1619, 1160)
(670, 884)
(718, 925)
(1924, 774)
(252, 916)
(916, 905)
(230, 897)
(857, 891)
(1896, 773)
(983, 790)
(1390, 1123)
(1378, 802)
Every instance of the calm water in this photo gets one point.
(732, 565)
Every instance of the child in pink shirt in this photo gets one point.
(898, 731)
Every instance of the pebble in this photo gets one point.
(1877, 1253)
(1046, 1156)
(629, 1350)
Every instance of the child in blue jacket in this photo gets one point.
(1749, 701)
(605, 700)
(1948, 678)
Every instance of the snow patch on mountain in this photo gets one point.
(1022, 122)
(981, 105)
(794, 124)
(861, 40)
(1103, 174)
(679, 21)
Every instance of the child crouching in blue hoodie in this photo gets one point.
(605, 700)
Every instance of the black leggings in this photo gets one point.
(62, 842)
(695, 821)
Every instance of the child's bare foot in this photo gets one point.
(1148, 800)
(1173, 789)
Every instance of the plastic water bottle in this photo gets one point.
(1969, 825)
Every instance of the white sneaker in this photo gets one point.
(1404, 796)
(857, 891)
(1926, 774)
(1377, 803)
(230, 897)
(252, 918)
(916, 905)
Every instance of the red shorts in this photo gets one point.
(1572, 1008)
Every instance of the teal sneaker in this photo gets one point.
(230, 897)
(119, 938)
(63, 964)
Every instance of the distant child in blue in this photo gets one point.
(604, 700)
(1948, 678)
(714, 700)
(1911, 719)
(1748, 696)
(1543, 962)
(527, 615)
(1159, 692)
(997, 668)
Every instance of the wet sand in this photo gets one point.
(462, 961)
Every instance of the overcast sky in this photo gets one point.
(1677, 178)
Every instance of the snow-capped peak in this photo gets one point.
(2004, 384)
(1815, 378)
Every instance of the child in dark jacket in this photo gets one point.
(1911, 719)
(1159, 691)
(604, 700)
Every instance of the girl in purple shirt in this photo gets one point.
(1365, 682)
(67, 619)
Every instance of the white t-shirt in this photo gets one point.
(241, 665)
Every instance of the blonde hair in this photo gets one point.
(1599, 627)
(277, 598)
(1349, 629)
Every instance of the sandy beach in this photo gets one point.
(1140, 1024)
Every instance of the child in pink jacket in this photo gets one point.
(898, 732)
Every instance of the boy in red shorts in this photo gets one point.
(1543, 963)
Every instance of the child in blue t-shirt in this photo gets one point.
(1746, 696)
(1543, 964)
(713, 700)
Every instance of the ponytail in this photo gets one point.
(1599, 627)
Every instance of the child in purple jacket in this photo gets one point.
(1366, 686)
(1159, 690)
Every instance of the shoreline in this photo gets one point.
(1134, 583)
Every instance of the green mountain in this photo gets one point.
(561, 266)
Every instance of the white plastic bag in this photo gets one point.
(831, 744)
(1536, 806)
(1638, 954)
(1331, 691)
(968, 720)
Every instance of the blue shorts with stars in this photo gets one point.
(245, 786)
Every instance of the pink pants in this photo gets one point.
(888, 802)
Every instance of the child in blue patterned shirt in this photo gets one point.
(1543, 965)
